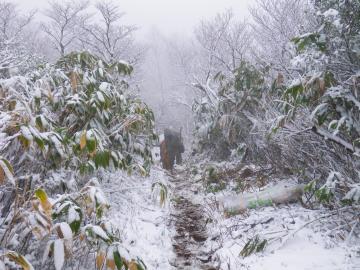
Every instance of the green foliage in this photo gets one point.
(69, 211)
(213, 182)
(211, 175)
(248, 78)
(259, 203)
(323, 194)
(215, 187)
(231, 212)
(162, 190)
(295, 91)
(254, 245)
(307, 40)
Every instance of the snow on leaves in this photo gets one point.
(6, 172)
(330, 79)
(73, 117)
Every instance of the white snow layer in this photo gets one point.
(141, 220)
(143, 227)
(59, 254)
(309, 248)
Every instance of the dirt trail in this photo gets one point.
(189, 223)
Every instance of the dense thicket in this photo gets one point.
(61, 123)
(295, 110)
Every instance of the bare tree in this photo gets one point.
(64, 22)
(12, 22)
(225, 42)
(110, 39)
(275, 23)
(15, 54)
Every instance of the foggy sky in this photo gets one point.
(167, 16)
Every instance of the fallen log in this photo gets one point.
(278, 194)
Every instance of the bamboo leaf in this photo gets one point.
(59, 254)
(118, 260)
(2, 176)
(100, 260)
(91, 146)
(47, 252)
(73, 81)
(44, 201)
(6, 170)
(19, 260)
(24, 141)
(163, 192)
(110, 264)
(83, 140)
(142, 170)
(133, 265)
(255, 244)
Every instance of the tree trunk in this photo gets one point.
(279, 194)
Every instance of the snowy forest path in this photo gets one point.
(189, 223)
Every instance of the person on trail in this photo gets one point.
(171, 149)
(164, 156)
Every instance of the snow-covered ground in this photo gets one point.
(311, 247)
(141, 220)
(305, 251)
(297, 238)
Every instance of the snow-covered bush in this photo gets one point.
(329, 81)
(249, 123)
(224, 116)
(77, 115)
(325, 95)
(58, 126)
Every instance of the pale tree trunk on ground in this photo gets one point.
(279, 194)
